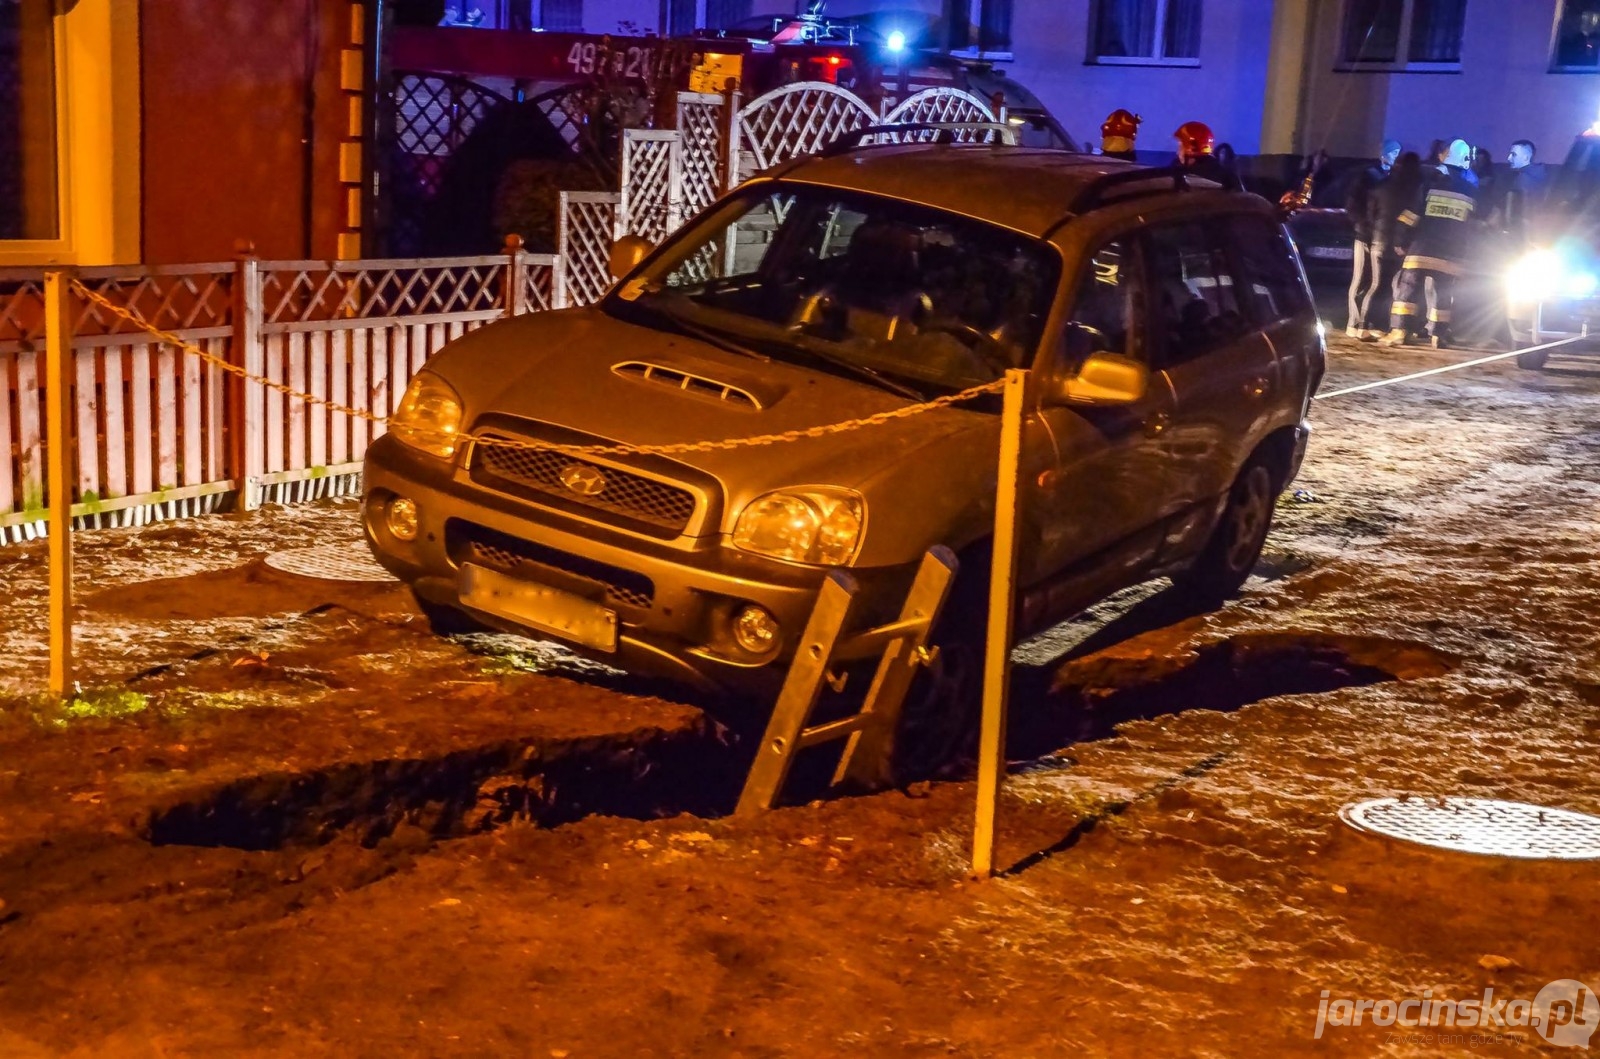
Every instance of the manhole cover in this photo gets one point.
(1481, 825)
(331, 562)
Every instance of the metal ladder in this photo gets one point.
(903, 644)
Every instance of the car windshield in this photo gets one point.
(912, 298)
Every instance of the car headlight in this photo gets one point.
(818, 525)
(1543, 274)
(429, 416)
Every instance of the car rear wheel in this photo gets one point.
(1236, 542)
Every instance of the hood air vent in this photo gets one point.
(689, 383)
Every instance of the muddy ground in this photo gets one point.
(283, 819)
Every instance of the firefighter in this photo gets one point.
(1118, 133)
(1197, 153)
(1440, 223)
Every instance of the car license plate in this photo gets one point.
(540, 607)
(1335, 253)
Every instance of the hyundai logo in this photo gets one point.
(583, 479)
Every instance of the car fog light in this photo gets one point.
(401, 518)
(755, 630)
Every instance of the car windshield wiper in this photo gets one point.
(722, 341)
(862, 371)
(704, 334)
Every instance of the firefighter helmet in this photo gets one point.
(1121, 124)
(1116, 135)
(1194, 139)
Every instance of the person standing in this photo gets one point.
(1441, 224)
(1362, 207)
(1392, 199)
(1197, 153)
(1524, 191)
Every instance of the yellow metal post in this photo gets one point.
(1002, 605)
(58, 472)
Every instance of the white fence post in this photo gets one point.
(246, 406)
(515, 295)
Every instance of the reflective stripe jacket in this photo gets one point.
(1441, 220)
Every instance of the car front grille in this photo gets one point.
(550, 476)
(468, 542)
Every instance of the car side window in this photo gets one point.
(1195, 302)
(1268, 269)
(1104, 308)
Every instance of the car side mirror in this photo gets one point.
(627, 252)
(1103, 378)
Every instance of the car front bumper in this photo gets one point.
(681, 631)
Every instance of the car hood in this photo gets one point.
(624, 383)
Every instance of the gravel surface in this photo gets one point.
(1178, 880)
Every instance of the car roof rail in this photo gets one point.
(851, 141)
(1094, 194)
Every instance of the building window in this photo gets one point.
(1143, 32)
(562, 16)
(28, 206)
(682, 17)
(978, 28)
(1577, 44)
(1400, 34)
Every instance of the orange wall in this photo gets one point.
(225, 87)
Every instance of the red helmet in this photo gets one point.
(1121, 124)
(1195, 137)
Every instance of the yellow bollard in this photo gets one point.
(1002, 608)
(58, 472)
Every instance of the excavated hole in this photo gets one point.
(463, 792)
(694, 770)
(1089, 697)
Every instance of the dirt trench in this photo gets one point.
(653, 773)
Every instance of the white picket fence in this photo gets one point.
(160, 433)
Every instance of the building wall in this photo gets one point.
(1051, 45)
(228, 90)
(1503, 92)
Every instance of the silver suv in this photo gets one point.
(1167, 321)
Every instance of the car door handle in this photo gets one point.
(1256, 387)
(1157, 424)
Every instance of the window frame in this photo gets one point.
(58, 249)
(1401, 63)
(701, 20)
(1227, 230)
(975, 48)
(98, 191)
(1139, 305)
(1555, 43)
(1158, 42)
(1157, 355)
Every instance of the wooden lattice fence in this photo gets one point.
(160, 432)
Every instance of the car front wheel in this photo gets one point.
(1236, 542)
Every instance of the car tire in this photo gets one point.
(445, 620)
(1533, 361)
(1236, 542)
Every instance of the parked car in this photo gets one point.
(1552, 280)
(1169, 328)
(1326, 241)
